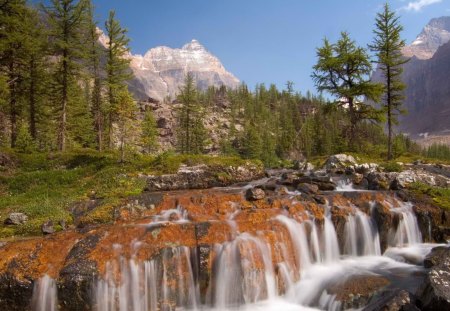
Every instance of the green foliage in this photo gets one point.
(388, 47)
(343, 69)
(392, 167)
(25, 142)
(191, 135)
(437, 151)
(149, 133)
(439, 196)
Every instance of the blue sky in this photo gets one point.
(268, 41)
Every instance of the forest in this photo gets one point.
(60, 90)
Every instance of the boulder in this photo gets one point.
(47, 227)
(356, 292)
(393, 300)
(255, 194)
(308, 188)
(434, 294)
(16, 219)
(339, 161)
(377, 181)
(357, 178)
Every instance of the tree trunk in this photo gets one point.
(12, 103)
(63, 116)
(33, 131)
(389, 113)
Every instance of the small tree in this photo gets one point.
(343, 70)
(124, 110)
(149, 133)
(388, 45)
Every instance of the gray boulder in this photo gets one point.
(255, 194)
(16, 219)
(339, 161)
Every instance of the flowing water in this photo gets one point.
(245, 276)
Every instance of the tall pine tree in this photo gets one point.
(65, 18)
(388, 45)
(117, 68)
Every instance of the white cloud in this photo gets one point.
(419, 5)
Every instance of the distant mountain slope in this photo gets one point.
(427, 76)
(162, 70)
(435, 34)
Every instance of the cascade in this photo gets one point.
(244, 271)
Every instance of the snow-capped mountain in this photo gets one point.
(162, 70)
(435, 34)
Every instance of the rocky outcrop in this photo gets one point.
(356, 292)
(435, 292)
(394, 300)
(16, 219)
(204, 176)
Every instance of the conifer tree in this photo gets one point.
(14, 51)
(117, 68)
(191, 132)
(65, 18)
(343, 70)
(94, 78)
(388, 45)
(124, 110)
(149, 133)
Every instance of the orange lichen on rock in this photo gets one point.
(32, 258)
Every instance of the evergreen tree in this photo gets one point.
(117, 68)
(343, 70)
(191, 132)
(65, 18)
(252, 144)
(388, 46)
(93, 61)
(14, 51)
(124, 110)
(149, 133)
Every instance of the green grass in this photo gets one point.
(439, 196)
(45, 185)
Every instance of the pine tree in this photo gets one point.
(191, 132)
(124, 110)
(343, 70)
(388, 46)
(14, 51)
(117, 68)
(65, 18)
(149, 133)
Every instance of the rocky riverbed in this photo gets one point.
(294, 239)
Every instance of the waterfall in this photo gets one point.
(140, 287)
(361, 236)
(408, 232)
(44, 295)
(292, 268)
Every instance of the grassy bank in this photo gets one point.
(46, 186)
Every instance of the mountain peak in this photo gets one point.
(194, 45)
(435, 34)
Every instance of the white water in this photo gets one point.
(245, 277)
(44, 295)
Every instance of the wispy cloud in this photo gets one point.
(418, 5)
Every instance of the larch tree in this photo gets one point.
(388, 45)
(65, 18)
(117, 68)
(343, 70)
